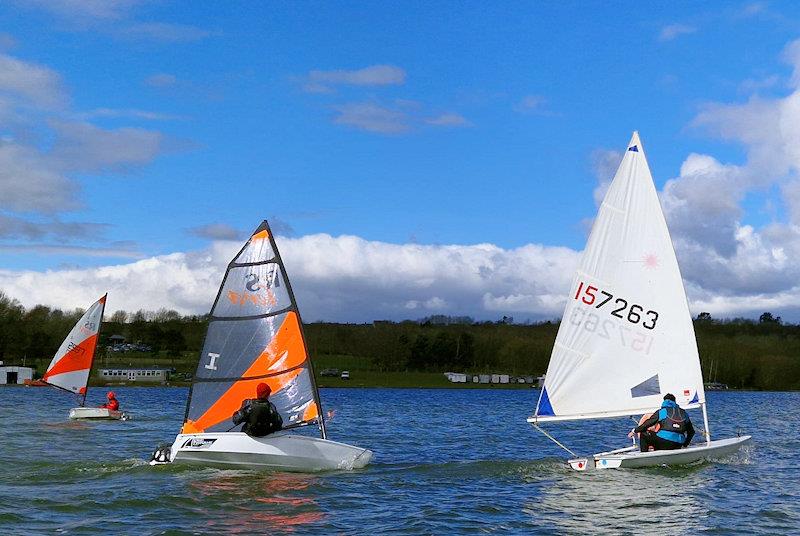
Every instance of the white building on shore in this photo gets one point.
(15, 375)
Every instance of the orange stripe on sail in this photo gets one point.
(260, 235)
(285, 351)
(78, 358)
(311, 412)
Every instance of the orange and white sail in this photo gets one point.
(254, 335)
(69, 369)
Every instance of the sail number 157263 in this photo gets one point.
(621, 308)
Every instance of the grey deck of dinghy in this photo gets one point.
(278, 452)
(632, 459)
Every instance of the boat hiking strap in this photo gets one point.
(554, 440)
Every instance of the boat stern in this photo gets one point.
(581, 464)
(611, 462)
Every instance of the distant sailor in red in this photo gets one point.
(113, 403)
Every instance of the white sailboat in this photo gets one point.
(626, 337)
(70, 368)
(255, 335)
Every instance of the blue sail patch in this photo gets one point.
(649, 387)
(544, 404)
(634, 148)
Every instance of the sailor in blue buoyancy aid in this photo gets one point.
(670, 428)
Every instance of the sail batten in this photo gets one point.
(250, 317)
(70, 367)
(626, 336)
(254, 336)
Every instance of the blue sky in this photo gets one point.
(426, 123)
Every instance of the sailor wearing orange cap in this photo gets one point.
(259, 415)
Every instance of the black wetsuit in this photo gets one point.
(652, 439)
(260, 417)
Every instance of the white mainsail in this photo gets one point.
(626, 337)
(69, 369)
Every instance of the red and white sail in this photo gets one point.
(69, 369)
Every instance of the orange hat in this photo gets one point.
(110, 395)
(263, 390)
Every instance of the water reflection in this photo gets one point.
(661, 499)
(250, 502)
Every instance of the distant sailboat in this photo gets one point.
(254, 336)
(626, 337)
(70, 368)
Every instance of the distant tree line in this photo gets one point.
(743, 353)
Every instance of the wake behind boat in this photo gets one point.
(626, 337)
(70, 368)
(255, 337)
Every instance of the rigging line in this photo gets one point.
(554, 440)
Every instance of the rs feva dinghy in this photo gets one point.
(626, 337)
(254, 336)
(70, 368)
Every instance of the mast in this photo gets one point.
(707, 432)
(279, 260)
(91, 364)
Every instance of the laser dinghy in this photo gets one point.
(626, 337)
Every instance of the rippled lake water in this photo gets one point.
(446, 461)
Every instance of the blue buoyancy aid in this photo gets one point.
(672, 422)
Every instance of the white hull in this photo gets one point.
(281, 451)
(97, 413)
(630, 458)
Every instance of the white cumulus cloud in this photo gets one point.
(671, 31)
(318, 81)
(372, 118)
(343, 278)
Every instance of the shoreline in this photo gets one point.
(342, 384)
